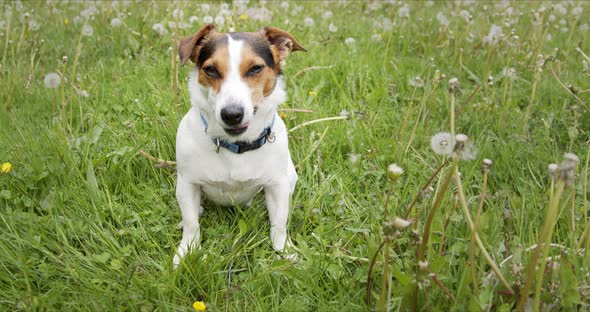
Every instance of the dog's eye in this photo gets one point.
(255, 69)
(211, 71)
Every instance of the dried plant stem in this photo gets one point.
(484, 252)
(475, 227)
(315, 121)
(566, 88)
(442, 286)
(371, 266)
(311, 68)
(77, 56)
(6, 41)
(544, 237)
(296, 110)
(417, 197)
(161, 162)
(174, 77)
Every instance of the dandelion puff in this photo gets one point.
(552, 168)
(465, 149)
(193, 19)
(567, 169)
(394, 171)
(353, 157)
(116, 22)
(87, 30)
(350, 42)
(34, 25)
(284, 5)
(416, 82)
(332, 27)
(177, 13)
(205, 7)
(160, 29)
(219, 20)
(308, 21)
(52, 80)
(404, 11)
(584, 27)
(208, 19)
(442, 19)
(441, 143)
(400, 223)
(327, 15)
(375, 37)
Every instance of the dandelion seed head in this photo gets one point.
(376, 37)
(205, 7)
(441, 143)
(400, 223)
(308, 21)
(193, 19)
(34, 25)
(219, 20)
(332, 27)
(177, 14)
(115, 22)
(350, 41)
(461, 138)
(416, 82)
(442, 19)
(353, 158)
(327, 15)
(87, 30)
(404, 11)
(394, 171)
(160, 29)
(208, 19)
(52, 80)
(486, 165)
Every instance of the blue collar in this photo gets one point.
(240, 147)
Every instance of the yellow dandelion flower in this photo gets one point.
(312, 93)
(66, 21)
(282, 115)
(243, 17)
(199, 306)
(6, 167)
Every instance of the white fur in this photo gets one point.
(227, 178)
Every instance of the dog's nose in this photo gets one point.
(232, 115)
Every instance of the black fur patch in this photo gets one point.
(259, 45)
(209, 47)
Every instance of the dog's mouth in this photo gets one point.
(237, 130)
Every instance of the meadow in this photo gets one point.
(87, 223)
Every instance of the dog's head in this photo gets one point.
(237, 77)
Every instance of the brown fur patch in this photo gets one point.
(262, 84)
(218, 59)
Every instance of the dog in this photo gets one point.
(232, 144)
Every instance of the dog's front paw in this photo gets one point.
(183, 249)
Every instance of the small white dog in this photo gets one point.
(232, 144)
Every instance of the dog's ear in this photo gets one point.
(282, 41)
(189, 47)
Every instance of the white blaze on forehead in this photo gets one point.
(234, 48)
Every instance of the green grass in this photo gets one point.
(86, 223)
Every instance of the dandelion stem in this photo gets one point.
(477, 238)
(385, 277)
(430, 218)
(371, 266)
(475, 227)
(387, 202)
(544, 237)
(77, 55)
(586, 232)
(442, 286)
(417, 197)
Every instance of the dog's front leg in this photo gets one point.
(277, 203)
(189, 200)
